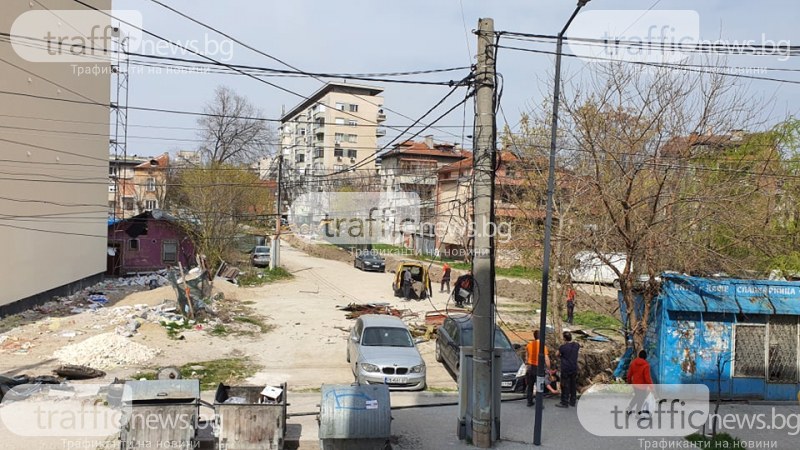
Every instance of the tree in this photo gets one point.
(644, 201)
(232, 132)
(214, 201)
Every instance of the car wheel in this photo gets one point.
(436, 353)
(423, 387)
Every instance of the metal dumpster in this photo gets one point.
(247, 423)
(160, 414)
(355, 417)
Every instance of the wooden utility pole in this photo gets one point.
(483, 247)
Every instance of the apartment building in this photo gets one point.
(53, 205)
(413, 167)
(334, 129)
(136, 185)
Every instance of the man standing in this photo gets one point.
(532, 351)
(462, 290)
(568, 352)
(639, 377)
(570, 304)
(407, 282)
(445, 278)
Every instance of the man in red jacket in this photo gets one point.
(639, 377)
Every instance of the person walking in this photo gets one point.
(445, 278)
(462, 290)
(407, 282)
(639, 377)
(570, 304)
(568, 354)
(532, 359)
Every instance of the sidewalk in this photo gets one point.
(434, 427)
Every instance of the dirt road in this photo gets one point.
(308, 345)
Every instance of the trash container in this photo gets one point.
(250, 417)
(160, 414)
(355, 417)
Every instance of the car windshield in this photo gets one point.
(371, 257)
(387, 337)
(261, 249)
(500, 339)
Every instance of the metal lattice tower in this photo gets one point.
(119, 110)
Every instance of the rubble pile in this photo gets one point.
(105, 351)
(357, 310)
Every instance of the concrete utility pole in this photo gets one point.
(483, 247)
(275, 260)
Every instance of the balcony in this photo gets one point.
(380, 132)
(381, 116)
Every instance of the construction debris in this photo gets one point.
(73, 372)
(105, 351)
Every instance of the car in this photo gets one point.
(456, 332)
(369, 261)
(259, 257)
(381, 350)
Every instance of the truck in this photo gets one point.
(589, 267)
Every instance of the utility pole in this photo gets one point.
(483, 246)
(275, 260)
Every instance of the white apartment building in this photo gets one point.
(336, 128)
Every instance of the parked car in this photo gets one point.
(259, 257)
(456, 331)
(381, 351)
(369, 261)
(419, 273)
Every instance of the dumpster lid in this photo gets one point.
(159, 390)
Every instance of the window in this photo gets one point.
(352, 123)
(300, 158)
(352, 153)
(339, 121)
(133, 244)
(339, 137)
(352, 138)
(150, 205)
(338, 167)
(302, 131)
(749, 344)
(128, 203)
(151, 185)
(169, 252)
(112, 171)
(319, 152)
(112, 205)
(783, 344)
(353, 108)
(340, 106)
(338, 152)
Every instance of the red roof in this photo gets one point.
(160, 161)
(422, 149)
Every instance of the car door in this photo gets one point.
(354, 343)
(451, 351)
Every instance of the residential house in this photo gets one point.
(136, 185)
(738, 337)
(333, 129)
(454, 208)
(412, 167)
(146, 242)
(53, 236)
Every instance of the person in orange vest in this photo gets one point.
(639, 377)
(570, 304)
(445, 278)
(532, 360)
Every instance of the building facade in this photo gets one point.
(137, 185)
(334, 129)
(54, 196)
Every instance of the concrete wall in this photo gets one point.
(54, 184)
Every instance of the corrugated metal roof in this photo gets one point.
(684, 293)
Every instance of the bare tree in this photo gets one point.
(232, 130)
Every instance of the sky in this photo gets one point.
(360, 36)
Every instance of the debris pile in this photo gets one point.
(357, 310)
(105, 351)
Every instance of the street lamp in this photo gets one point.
(548, 226)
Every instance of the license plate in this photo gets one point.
(506, 384)
(396, 380)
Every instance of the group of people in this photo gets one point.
(638, 374)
